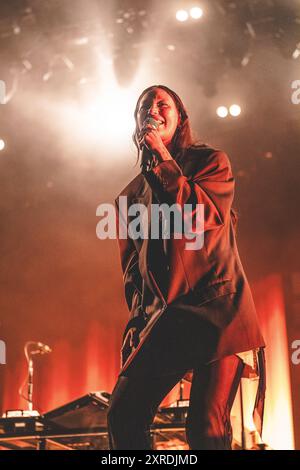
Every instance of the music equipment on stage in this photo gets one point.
(80, 424)
(87, 412)
(83, 421)
(168, 429)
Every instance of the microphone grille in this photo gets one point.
(153, 122)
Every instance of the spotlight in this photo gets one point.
(82, 41)
(235, 110)
(182, 15)
(268, 155)
(296, 52)
(16, 29)
(222, 111)
(99, 120)
(47, 75)
(196, 13)
(2, 144)
(2, 92)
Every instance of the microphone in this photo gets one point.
(41, 349)
(45, 348)
(147, 160)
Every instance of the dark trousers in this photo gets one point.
(135, 399)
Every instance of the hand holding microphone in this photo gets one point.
(150, 143)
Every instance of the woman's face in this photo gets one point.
(159, 105)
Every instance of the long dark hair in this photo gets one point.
(183, 136)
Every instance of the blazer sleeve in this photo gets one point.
(211, 184)
(130, 267)
(133, 285)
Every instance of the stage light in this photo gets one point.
(182, 15)
(16, 29)
(235, 110)
(196, 13)
(268, 155)
(27, 64)
(47, 75)
(222, 111)
(83, 41)
(296, 52)
(2, 144)
(109, 117)
(68, 63)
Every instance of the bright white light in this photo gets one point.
(2, 144)
(235, 110)
(106, 118)
(222, 111)
(296, 53)
(182, 15)
(101, 122)
(196, 13)
(16, 29)
(47, 75)
(81, 41)
(110, 118)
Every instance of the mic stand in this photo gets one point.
(30, 384)
(29, 359)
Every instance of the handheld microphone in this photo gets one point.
(45, 348)
(146, 156)
(41, 349)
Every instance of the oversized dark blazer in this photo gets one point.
(211, 280)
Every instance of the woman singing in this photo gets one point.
(190, 306)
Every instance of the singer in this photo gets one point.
(191, 311)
